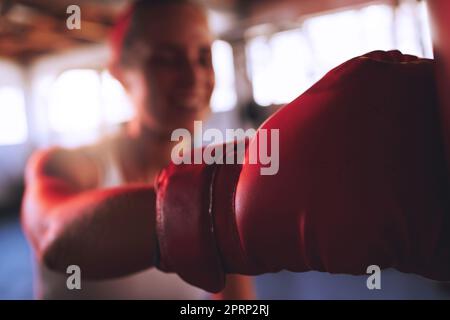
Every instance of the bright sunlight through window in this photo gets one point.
(283, 65)
(13, 122)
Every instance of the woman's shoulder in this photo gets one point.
(83, 163)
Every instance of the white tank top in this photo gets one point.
(149, 284)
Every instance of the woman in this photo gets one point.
(161, 53)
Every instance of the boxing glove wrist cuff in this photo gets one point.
(185, 226)
(196, 223)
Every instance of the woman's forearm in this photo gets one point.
(108, 233)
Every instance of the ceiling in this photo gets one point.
(30, 28)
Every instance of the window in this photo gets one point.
(338, 37)
(84, 99)
(413, 29)
(224, 95)
(284, 64)
(279, 67)
(116, 104)
(13, 122)
(74, 103)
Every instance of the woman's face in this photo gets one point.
(173, 85)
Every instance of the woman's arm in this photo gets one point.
(108, 233)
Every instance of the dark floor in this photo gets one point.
(16, 278)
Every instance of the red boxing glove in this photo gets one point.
(361, 181)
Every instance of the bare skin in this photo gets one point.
(64, 207)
